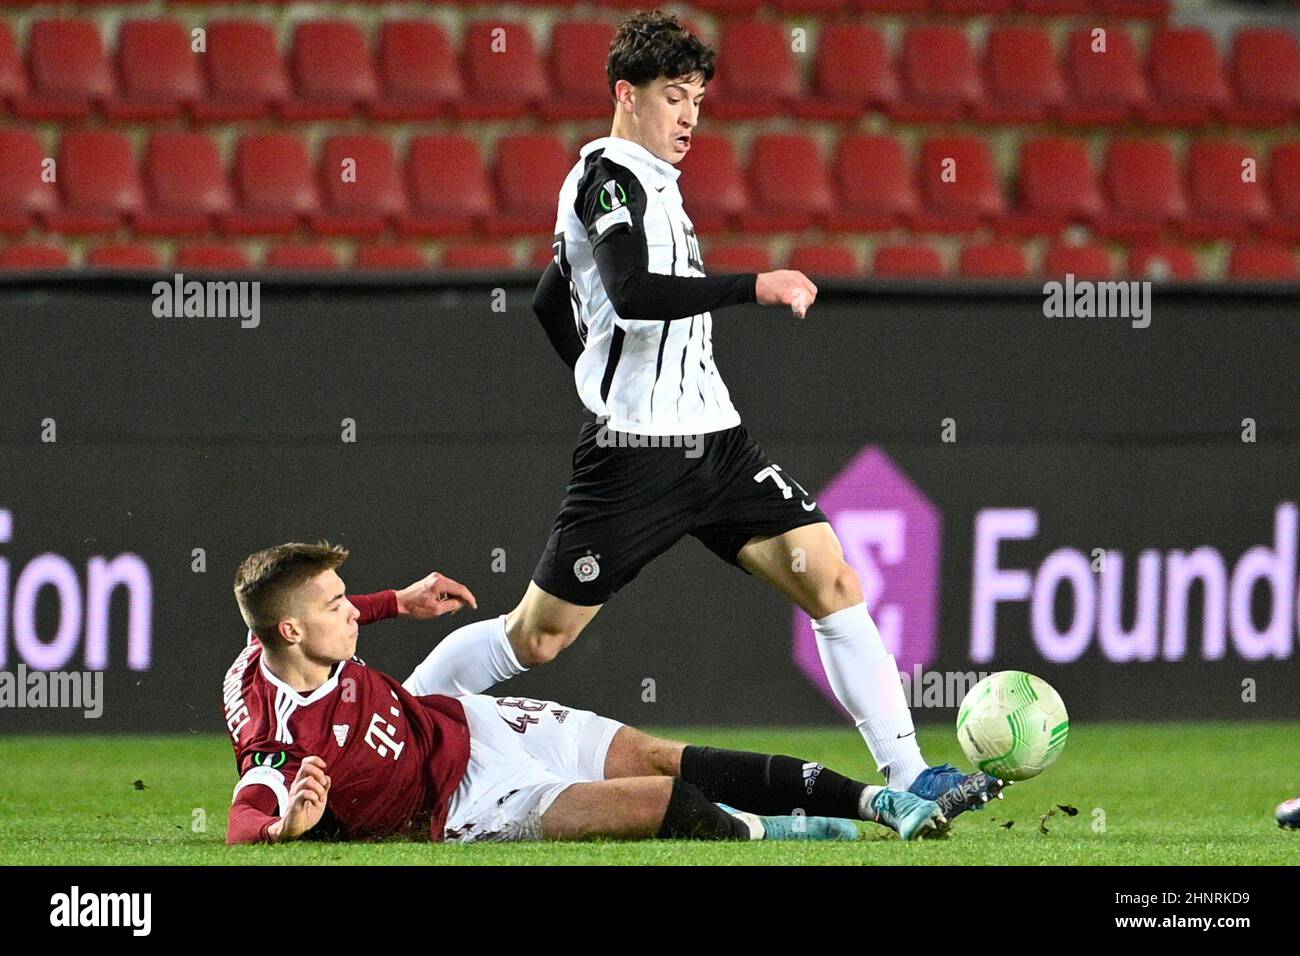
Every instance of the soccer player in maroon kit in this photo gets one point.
(326, 745)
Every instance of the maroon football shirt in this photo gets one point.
(394, 760)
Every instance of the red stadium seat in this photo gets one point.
(13, 77)
(974, 7)
(1224, 196)
(1266, 261)
(530, 169)
(731, 8)
(852, 72)
(541, 256)
(738, 257)
(825, 260)
(24, 195)
(28, 257)
(789, 183)
(713, 189)
(391, 258)
(1187, 83)
(1085, 261)
(1059, 8)
(124, 255)
(891, 6)
(1057, 186)
(1022, 81)
(274, 182)
(246, 75)
(418, 74)
(304, 258)
(99, 182)
(448, 188)
(69, 71)
(186, 185)
(796, 7)
(1284, 186)
(1105, 85)
(1150, 9)
(937, 69)
(958, 184)
(875, 189)
(503, 72)
(157, 71)
(214, 257)
(478, 255)
(908, 261)
(1162, 262)
(1265, 74)
(1143, 188)
(360, 185)
(756, 73)
(577, 57)
(331, 71)
(994, 260)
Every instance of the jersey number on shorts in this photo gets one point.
(774, 472)
(520, 724)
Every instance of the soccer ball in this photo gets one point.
(1012, 725)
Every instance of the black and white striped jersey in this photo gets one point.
(647, 353)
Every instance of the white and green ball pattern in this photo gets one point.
(1012, 725)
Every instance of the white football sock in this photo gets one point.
(469, 660)
(865, 678)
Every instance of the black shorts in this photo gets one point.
(627, 505)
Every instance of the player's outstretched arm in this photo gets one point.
(622, 259)
(307, 798)
(433, 596)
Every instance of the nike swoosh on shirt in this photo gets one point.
(808, 505)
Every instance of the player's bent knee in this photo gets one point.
(634, 753)
(535, 648)
(841, 589)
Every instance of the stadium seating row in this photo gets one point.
(1265, 261)
(415, 73)
(358, 187)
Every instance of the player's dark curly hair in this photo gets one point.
(650, 45)
(265, 580)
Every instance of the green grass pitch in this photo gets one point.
(1146, 794)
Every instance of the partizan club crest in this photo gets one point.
(587, 568)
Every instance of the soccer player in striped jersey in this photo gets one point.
(627, 304)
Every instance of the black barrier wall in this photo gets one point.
(1113, 508)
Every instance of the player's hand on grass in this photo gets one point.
(307, 798)
(786, 287)
(434, 596)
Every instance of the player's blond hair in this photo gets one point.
(266, 580)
